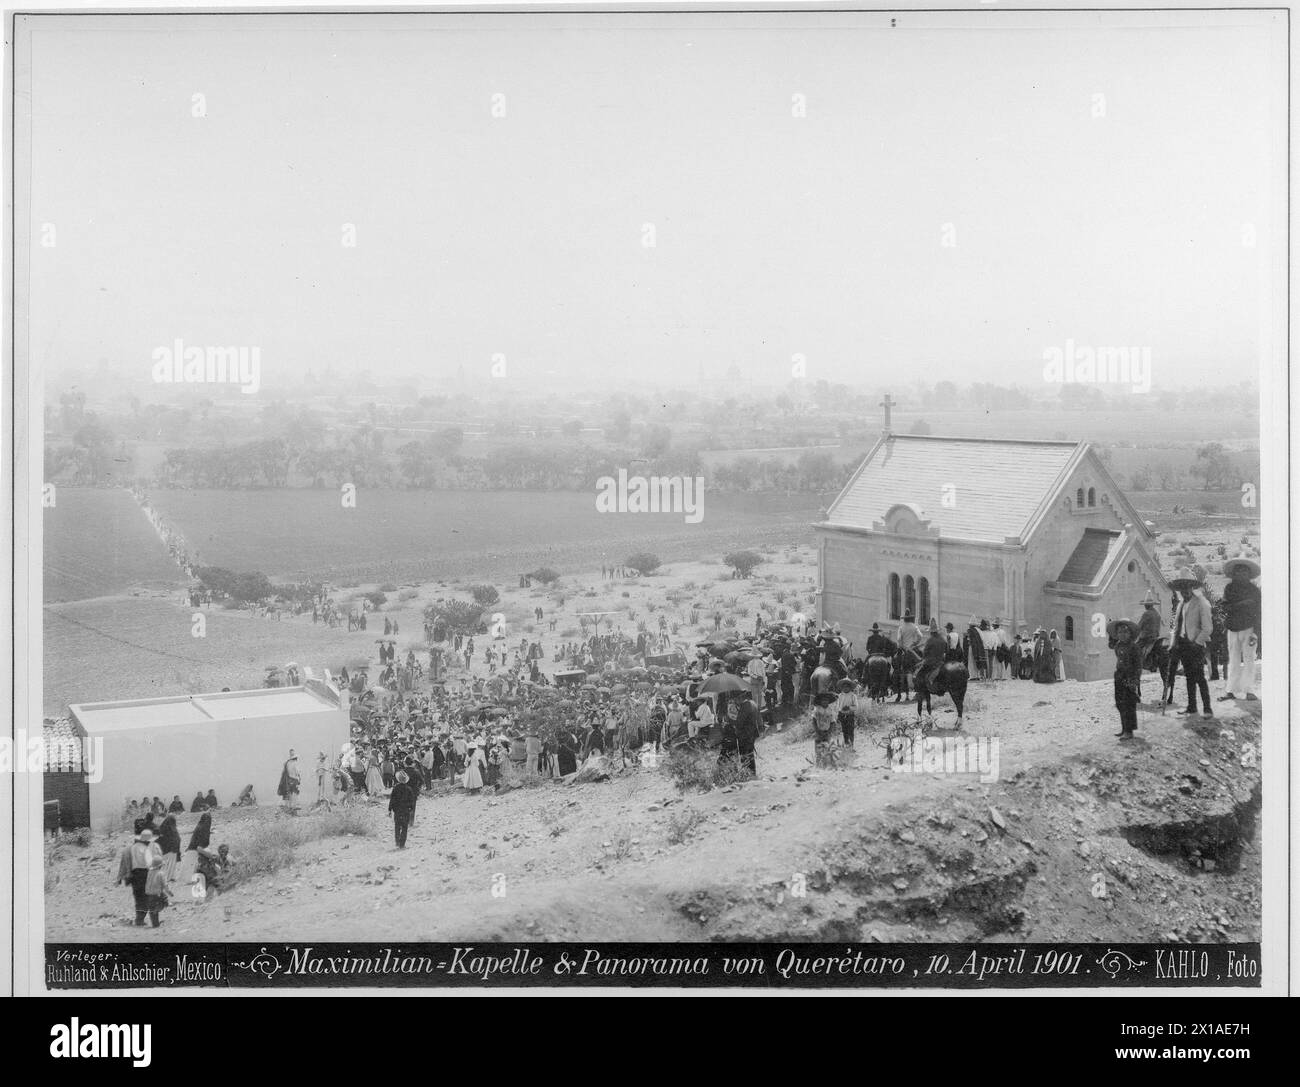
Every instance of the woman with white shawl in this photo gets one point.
(475, 766)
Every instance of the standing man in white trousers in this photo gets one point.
(1241, 596)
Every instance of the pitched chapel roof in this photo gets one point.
(985, 489)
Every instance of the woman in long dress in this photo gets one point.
(1058, 656)
(169, 841)
(472, 779)
(1044, 660)
(374, 776)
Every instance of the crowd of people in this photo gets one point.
(1189, 643)
(150, 864)
(177, 547)
(614, 699)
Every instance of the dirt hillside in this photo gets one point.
(1080, 837)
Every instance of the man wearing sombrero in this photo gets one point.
(878, 644)
(1149, 626)
(1241, 597)
(1193, 625)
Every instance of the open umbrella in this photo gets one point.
(721, 683)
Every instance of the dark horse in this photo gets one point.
(904, 667)
(876, 671)
(951, 679)
(1160, 659)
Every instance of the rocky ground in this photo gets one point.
(1080, 837)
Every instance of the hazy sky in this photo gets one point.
(774, 234)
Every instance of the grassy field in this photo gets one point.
(425, 535)
(98, 543)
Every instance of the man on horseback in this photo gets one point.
(878, 663)
(878, 645)
(1150, 628)
(909, 634)
(934, 654)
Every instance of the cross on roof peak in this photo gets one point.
(888, 403)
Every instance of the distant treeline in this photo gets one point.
(552, 444)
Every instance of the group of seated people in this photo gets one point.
(200, 803)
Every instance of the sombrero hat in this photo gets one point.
(875, 628)
(1113, 626)
(1230, 565)
(1184, 578)
(1150, 601)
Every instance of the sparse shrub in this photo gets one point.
(691, 770)
(274, 846)
(407, 595)
(377, 599)
(484, 595)
(388, 587)
(619, 846)
(681, 823)
(743, 562)
(545, 575)
(643, 562)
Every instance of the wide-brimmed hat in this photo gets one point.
(402, 777)
(145, 836)
(907, 617)
(1112, 628)
(1184, 578)
(1150, 601)
(1230, 565)
(846, 684)
(974, 622)
(875, 628)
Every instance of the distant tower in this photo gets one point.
(887, 404)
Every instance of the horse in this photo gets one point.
(1159, 659)
(877, 670)
(952, 679)
(904, 666)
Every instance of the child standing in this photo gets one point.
(1122, 634)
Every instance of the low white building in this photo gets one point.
(188, 744)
